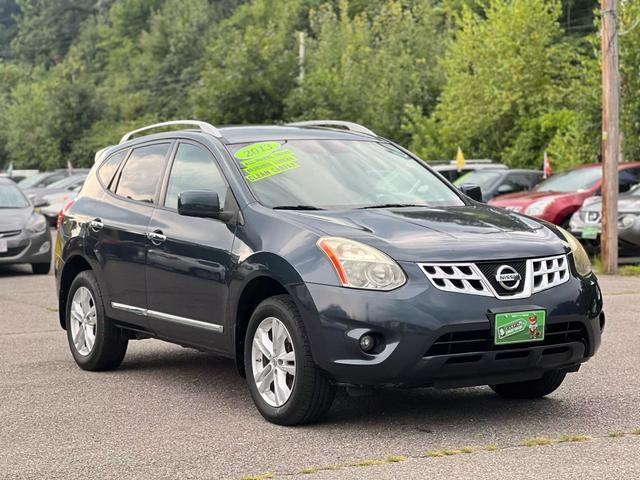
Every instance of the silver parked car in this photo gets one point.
(24, 234)
(585, 223)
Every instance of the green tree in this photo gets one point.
(510, 89)
(8, 28)
(366, 69)
(630, 79)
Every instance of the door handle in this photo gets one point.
(156, 237)
(96, 224)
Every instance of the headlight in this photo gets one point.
(36, 224)
(626, 221)
(361, 266)
(538, 208)
(580, 257)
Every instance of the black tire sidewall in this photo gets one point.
(279, 310)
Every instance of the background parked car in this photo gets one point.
(558, 197)
(494, 182)
(450, 171)
(42, 179)
(24, 235)
(54, 202)
(585, 223)
(65, 184)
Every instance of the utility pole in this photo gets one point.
(610, 137)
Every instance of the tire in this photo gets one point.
(110, 343)
(41, 268)
(311, 390)
(549, 382)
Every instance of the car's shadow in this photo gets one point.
(424, 410)
(15, 270)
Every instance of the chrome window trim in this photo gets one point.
(168, 317)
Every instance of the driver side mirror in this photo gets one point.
(205, 204)
(472, 191)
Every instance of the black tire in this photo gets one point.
(549, 382)
(313, 392)
(41, 268)
(110, 342)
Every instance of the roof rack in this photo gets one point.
(352, 127)
(203, 126)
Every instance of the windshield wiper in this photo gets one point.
(297, 207)
(394, 205)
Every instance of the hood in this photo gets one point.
(14, 218)
(439, 234)
(626, 204)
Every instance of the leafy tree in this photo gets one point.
(367, 69)
(630, 79)
(8, 28)
(509, 85)
(250, 65)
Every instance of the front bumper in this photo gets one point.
(417, 317)
(26, 247)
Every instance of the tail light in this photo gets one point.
(62, 213)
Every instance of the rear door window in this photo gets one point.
(141, 174)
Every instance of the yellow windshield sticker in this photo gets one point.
(265, 159)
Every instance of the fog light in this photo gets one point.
(367, 342)
(44, 248)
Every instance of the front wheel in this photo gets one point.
(286, 385)
(549, 382)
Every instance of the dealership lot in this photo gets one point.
(170, 412)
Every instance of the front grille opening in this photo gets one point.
(478, 341)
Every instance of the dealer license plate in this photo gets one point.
(519, 327)
(590, 233)
(3, 246)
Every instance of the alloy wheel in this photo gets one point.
(273, 361)
(83, 321)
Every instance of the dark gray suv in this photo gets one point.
(317, 257)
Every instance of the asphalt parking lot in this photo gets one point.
(171, 412)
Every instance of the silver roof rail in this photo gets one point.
(203, 126)
(353, 127)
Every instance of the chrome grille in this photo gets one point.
(549, 272)
(537, 274)
(459, 277)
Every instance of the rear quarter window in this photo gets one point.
(110, 166)
(140, 176)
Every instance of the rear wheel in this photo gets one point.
(549, 382)
(285, 383)
(95, 343)
(41, 268)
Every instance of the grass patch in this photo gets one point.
(574, 438)
(367, 463)
(262, 476)
(490, 448)
(616, 434)
(52, 309)
(469, 449)
(435, 453)
(537, 442)
(635, 431)
(629, 270)
(394, 458)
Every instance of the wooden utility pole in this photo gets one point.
(610, 136)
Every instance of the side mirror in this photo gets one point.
(472, 191)
(197, 203)
(505, 188)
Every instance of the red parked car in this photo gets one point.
(559, 196)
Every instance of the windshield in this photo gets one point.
(577, 180)
(66, 182)
(12, 197)
(338, 174)
(483, 178)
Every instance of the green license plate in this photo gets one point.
(519, 327)
(590, 233)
